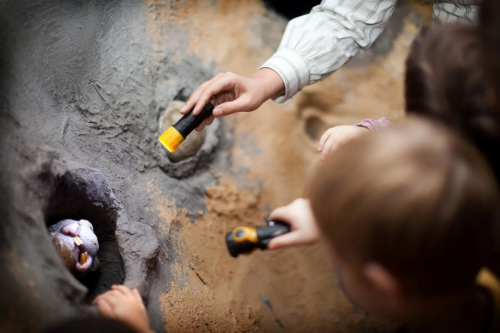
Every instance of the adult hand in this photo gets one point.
(126, 305)
(337, 136)
(234, 93)
(299, 215)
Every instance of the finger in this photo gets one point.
(209, 121)
(124, 290)
(283, 214)
(102, 296)
(328, 145)
(191, 102)
(188, 106)
(340, 140)
(324, 138)
(200, 127)
(238, 105)
(224, 83)
(286, 240)
(105, 309)
(204, 123)
(112, 297)
(137, 296)
(94, 302)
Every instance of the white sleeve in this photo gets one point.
(317, 44)
(447, 11)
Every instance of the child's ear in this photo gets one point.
(383, 280)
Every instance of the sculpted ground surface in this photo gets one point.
(82, 87)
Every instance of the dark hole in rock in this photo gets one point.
(315, 127)
(76, 199)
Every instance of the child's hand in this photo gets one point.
(234, 93)
(126, 305)
(337, 136)
(300, 217)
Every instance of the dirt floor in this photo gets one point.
(106, 73)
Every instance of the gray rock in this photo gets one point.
(82, 88)
(139, 248)
(67, 190)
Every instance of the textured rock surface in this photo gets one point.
(139, 248)
(83, 82)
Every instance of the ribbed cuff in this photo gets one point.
(371, 124)
(293, 71)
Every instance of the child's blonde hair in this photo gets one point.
(414, 198)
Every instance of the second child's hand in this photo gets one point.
(122, 303)
(336, 136)
(299, 215)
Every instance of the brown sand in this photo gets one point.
(292, 290)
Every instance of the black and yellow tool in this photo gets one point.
(244, 240)
(177, 133)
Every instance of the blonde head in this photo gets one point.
(414, 198)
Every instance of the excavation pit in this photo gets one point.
(194, 153)
(82, 194)
(127, 250)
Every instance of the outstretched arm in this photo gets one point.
(313, 47)
(317, 44)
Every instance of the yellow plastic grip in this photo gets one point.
(244, 234)
(171, 139)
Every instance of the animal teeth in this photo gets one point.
(78, 241)
(83, 258)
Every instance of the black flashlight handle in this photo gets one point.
(264, 236)
(267, 233)
(189, 122)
